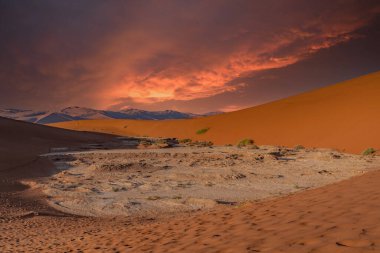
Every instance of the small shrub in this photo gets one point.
(185, 141)
(369, 151)
(203, 143)
(299, 147)
(202, 131)
(245, 142)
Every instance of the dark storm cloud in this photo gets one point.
(162, 53)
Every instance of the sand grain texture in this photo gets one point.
(342, 217)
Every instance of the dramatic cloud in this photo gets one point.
(114, 54)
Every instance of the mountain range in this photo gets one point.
(82, 113)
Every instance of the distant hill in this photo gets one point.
(82, 113)
(344, 116)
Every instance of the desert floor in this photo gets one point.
(337, 218)
(151, 181)
(195, 199)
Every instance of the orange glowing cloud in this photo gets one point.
(184, 83)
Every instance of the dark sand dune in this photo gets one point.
(22, 142)
(344, 116)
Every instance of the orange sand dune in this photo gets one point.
(344, 116)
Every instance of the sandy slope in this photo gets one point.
(338, 218)
(20, 145)
(21, 142)
(343, 116)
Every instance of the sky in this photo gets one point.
(191, 56)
